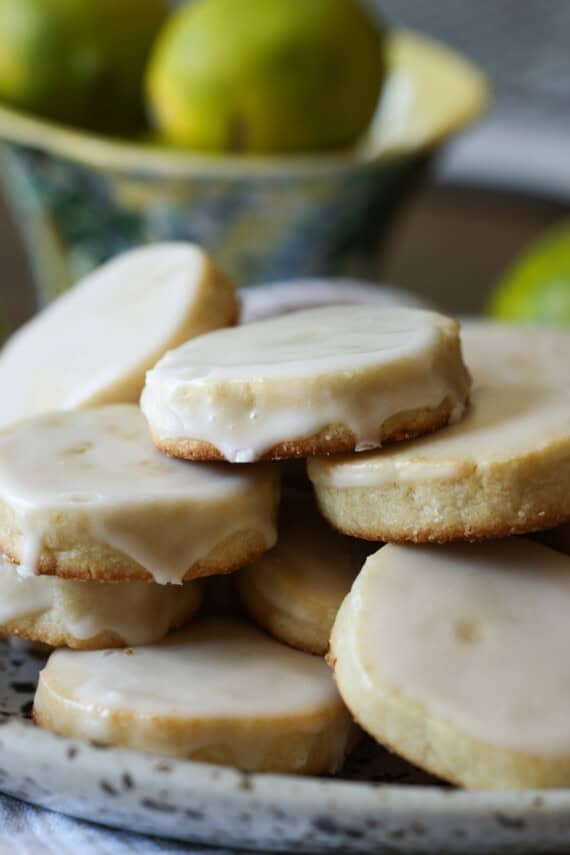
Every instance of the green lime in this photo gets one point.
(537, 287)
(78, 61)
(266, 75)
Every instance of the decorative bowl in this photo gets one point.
(80, 198)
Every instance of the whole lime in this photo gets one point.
(537, 288)
(78, 61)
(266, 75)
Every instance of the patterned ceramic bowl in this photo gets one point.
(81, 198)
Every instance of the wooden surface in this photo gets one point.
(449, 244)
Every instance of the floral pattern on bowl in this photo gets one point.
(81, 199)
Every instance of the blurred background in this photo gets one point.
(506, 179)
(492, 189)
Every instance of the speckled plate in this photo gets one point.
(379, 804)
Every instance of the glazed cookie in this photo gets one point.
(91, 615)
(503, 470)
(507, 353)
(93, 345)
(321, 381)
(218, 692)
(85, 495)
(454, 657)
(295, 591)
(280, 298)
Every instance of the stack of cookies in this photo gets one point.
(111, 514)
(448, 648)
(95, 524)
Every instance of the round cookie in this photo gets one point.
(503, 470)
(93, 345)
(292, 295)
(507, 353)
(85, 495)
(454, 657)
(219, 691)
(91, 615)
(321, 381)
(295, 590)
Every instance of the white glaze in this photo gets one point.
(503, 423)
(507, 353)
(94, 343)
(476, 634)
(138, 612)
(21, 596)
(99, 468)
(219, 669)
(246, 389)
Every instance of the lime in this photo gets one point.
(537, 287)
(78, 61)
(266, 75)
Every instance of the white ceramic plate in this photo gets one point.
(379, 804)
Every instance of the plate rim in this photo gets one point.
(210, 777)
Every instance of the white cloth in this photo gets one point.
(27, 830)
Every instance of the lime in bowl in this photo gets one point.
(80, 198)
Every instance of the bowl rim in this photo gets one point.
(378, 146)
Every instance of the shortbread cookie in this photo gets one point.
(322, 381)
(91, 615)
(279, 298)
(85, 495)
(295, 591)
(505, 469)
(218, 692)
(507, 353)
(455, 657)
(94, 344)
